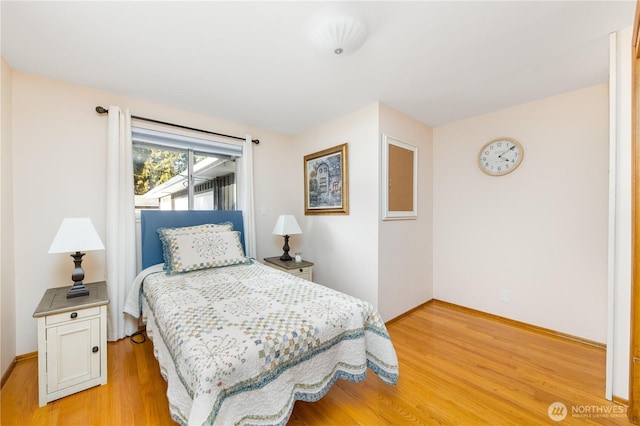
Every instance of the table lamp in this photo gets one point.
(286, 225)
(76, 235)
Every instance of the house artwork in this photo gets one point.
(325, 182)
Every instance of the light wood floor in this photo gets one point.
(455, 368)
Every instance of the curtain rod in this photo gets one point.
(101, 110)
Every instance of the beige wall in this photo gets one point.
(539, 233)
(7, 278)
(405, 246)
(59, 145)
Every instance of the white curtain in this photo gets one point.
(245, 202)
(120, 241)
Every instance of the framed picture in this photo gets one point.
(326, 181)
(399, 179)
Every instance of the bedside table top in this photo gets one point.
(287, 264)
(55, 299)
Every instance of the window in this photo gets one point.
(175, 172)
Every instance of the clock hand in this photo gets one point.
(508, 150)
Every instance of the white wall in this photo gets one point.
(405, 252)
(59, 148)
(344, 248)
(387, 264)
(59, 171)
(540, 232)
(7, 277)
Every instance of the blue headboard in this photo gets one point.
(151, 220)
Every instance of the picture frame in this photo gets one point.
(399, 179)
(326, 181)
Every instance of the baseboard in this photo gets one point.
(26, 356)
(522, 325)
(409, 312)
(7, 373)
(620, 401)
(15, 361)
(504, 320)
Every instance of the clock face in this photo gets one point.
(500, 156)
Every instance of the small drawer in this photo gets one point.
(72, 315)
(303, 276)
(304, 273)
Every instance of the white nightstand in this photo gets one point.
(303, 269)
(72, 341)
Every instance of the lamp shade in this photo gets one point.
(287, 225)
(76, 234)
(339, 34)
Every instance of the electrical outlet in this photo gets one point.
(505, 296)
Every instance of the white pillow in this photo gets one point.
(165, 233)
(192, 250)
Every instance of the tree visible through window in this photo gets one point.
(153, 167)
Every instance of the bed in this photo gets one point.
(239, 342)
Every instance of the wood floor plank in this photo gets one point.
(456, 368)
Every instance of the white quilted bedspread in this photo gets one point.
(240, 344)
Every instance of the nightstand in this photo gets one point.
(72, 341)
(302, 270)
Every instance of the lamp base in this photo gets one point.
(285, 255)
(77, 290)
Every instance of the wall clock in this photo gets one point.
(500, 156)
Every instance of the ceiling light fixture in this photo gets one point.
(339, 34)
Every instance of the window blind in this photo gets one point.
(142, 136)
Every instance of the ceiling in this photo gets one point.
(254, 63)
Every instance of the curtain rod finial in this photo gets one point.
(101, 110)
